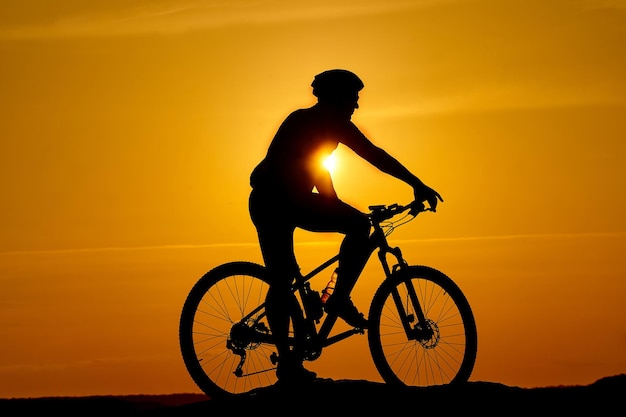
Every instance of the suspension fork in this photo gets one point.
(401, 268)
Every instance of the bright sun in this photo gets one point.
(330, 162)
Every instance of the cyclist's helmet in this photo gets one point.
(336, 84)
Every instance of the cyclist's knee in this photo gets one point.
(360, 227)
(279, 290)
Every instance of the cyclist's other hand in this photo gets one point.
(425, 193)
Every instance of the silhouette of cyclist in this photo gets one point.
(291, 189)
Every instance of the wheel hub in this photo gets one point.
(427, 335)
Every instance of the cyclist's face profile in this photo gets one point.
(345, 105)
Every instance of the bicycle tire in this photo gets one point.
(213, 338)
(447, 356)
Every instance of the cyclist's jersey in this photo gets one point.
(293, 163)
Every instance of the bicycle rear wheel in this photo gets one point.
(224, 337)
(439, 353)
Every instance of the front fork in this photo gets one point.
(420, 330)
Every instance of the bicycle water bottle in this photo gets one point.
(330, 287)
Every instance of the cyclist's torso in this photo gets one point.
(293, 163)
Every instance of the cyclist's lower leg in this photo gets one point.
(282, 308)
(353, 255)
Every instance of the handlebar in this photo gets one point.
(380, 213)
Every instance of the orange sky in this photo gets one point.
(129, 129)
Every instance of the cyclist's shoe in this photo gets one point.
(290, 372)
(345, 309)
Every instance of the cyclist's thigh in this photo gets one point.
(275, 232)
(278, 253)
(321, 214)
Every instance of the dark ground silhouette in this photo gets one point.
(326, 397)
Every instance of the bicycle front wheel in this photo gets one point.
(422, 329)
(224, 337)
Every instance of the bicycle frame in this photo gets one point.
(377, 240)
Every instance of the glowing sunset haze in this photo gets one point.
(128, 131)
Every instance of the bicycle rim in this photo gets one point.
(224, 342)
(445, 353)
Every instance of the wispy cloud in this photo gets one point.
(329, 242)
(488, 98)
(126, 248)
(182, 16)
(537, 236)
(102, 362)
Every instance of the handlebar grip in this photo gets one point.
(416, 208)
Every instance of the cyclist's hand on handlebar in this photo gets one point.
(427, 194)
(416, 208)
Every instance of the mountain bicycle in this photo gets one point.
(421, 332)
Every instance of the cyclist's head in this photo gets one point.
(337, 85)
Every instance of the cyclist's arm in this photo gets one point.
(324, 184)
(378, 157)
